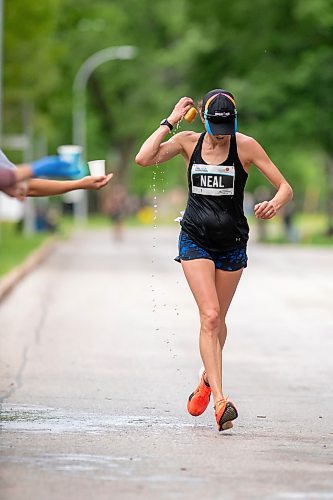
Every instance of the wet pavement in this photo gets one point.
(99, 352)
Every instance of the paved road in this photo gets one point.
(98, 352)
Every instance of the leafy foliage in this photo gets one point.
(276, 58)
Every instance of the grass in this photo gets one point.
(15, 247)
(309, 229)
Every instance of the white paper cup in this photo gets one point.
(70, 153)
(96, 167)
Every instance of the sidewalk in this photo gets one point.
(99, 352)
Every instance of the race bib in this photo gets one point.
(213, 180)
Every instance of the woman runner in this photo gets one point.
(214, 229)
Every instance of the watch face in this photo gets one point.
(165, 122)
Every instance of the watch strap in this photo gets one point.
(167, 123)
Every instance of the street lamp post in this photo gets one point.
(80, 83)
(79, 104)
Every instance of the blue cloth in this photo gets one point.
(53, 166)
(229, 260)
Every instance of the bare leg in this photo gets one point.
(226, 285)
(200, 275)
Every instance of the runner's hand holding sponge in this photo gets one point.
(190, 115)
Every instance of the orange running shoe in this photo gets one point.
(199, 399)
(225, 412)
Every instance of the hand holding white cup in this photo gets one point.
(96, 168)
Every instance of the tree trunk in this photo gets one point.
(100, 103)
(125, 147)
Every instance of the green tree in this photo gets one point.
(126, 99)
(276, 57)
(30, 63)
(278, 60)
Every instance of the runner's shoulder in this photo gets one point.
(245, 140)
(246, 143)
(186, 137)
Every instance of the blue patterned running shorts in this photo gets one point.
(229, 260)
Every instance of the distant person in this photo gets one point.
(11, 178)
(261, 193)
(45, 220)
(214, 229)
(115, 207)
(288, 215)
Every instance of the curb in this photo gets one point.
(11, 279)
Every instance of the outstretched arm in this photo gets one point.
(268, 208)
(48, 166)
(154, 151)
(10, 176)
(43, 187)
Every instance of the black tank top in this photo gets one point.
(214, 215)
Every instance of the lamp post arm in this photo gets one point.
(80, 82)
(98, 58)
(79, 105)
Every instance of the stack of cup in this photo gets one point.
(71, 154)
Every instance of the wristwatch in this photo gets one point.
(168, 124)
